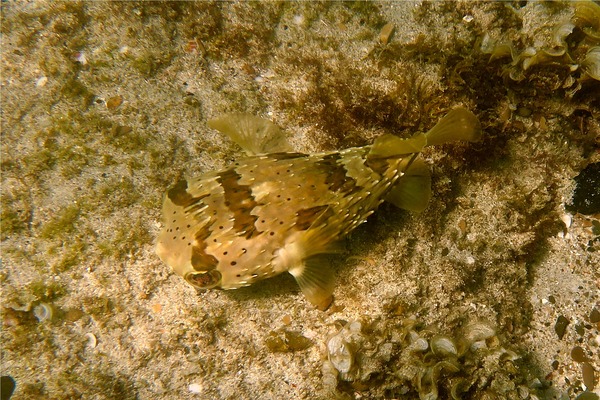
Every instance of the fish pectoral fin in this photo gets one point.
(253, 134)
(413, 190)
(316, 280)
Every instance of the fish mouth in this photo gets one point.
(204, 280)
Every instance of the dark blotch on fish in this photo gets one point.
(287, 156)
(337, 176)
(307, 216)
(379, 165)
(202, 261)
(241, 202)
(178, 193)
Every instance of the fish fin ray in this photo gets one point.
(322, 237)
(412, 192)
(458, 124)
(253, 134)
(316, 281)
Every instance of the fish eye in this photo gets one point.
(204, 280)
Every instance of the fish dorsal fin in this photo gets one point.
(458, 124)
(316, 280)
(413, 190)
(253, 134)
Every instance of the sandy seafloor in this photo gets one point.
(104, 105)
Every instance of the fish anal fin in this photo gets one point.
(253, 134)
(316, 280)
(413, 190)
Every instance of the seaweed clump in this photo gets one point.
(566, 58)
(409, 360)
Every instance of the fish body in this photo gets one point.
(280, 211)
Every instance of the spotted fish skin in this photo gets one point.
(277, 212)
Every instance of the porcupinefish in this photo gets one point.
(277, 210)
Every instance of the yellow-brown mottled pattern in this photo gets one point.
(307, 216)
(242, 216)
(201, 260)
(337, 175)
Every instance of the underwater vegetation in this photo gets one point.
(571, 48)
(407, 359)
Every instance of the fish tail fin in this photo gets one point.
(412, 192)
(458, 124)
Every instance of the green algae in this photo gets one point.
(68, 254)
(97, 307)
(63, 224)
(47, 291)
(16, 214)
(125, 241)
(76, 90)
(150, 62)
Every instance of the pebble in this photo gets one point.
(43, 312)
(567, 219)
(595, 315)
(195, 388)
(80, 58)
(589, 379)
(41, 82)
(386, 33)
(156, 308)
(561, 326)
(587, 396)
(92, 342)
(578, 354)
(114, 102)
(7, 386)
